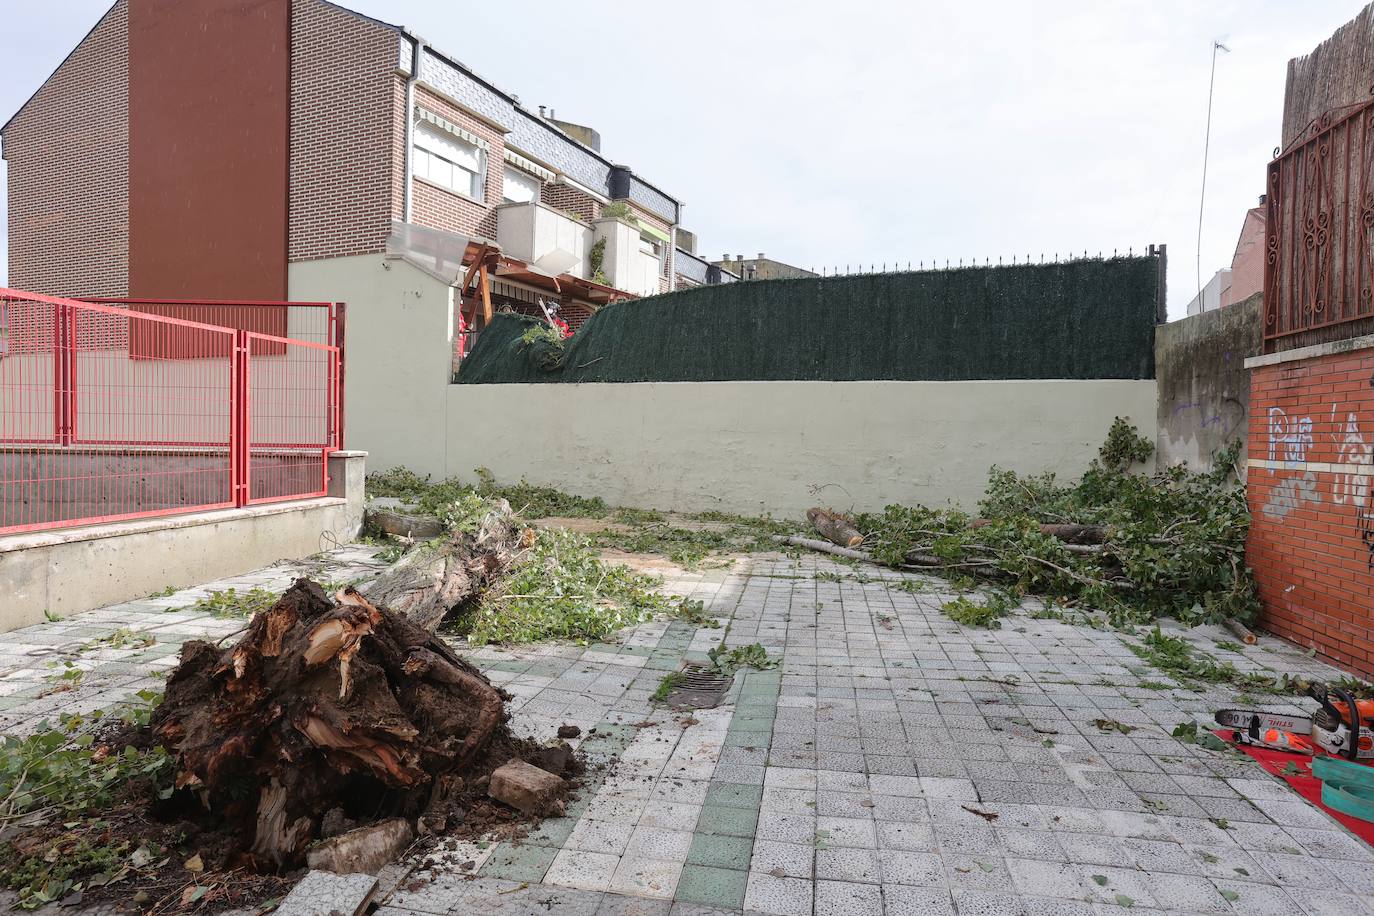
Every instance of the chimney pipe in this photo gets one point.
(761, 256)
(739, 257)
(541, 111)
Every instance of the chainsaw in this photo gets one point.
(1333, 728)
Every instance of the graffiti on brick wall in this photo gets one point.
(1291, 494)
(1294, 436)
(1364, 526)
(1351, 449)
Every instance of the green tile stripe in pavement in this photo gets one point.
(717, 869)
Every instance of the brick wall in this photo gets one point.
(67, 152)
(438, 207)
(569, 199)
(1311, 473)
(343, 132)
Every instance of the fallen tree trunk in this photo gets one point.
(434, 578)
(324, 705)
(1069, 533)
(918, 561)
(834, 527)
(827, 547)
(417, 527)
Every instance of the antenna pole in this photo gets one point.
(1206, 148)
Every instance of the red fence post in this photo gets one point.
(340, 326)
(62, 373)
(238, 429)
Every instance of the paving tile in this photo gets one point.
(778, 896)
(646, 877)
(590, 871)
(900, 900)
(719, 887)
(727, 821)
(790, 860)
(852, 864)
(846, 831)
(844, 898)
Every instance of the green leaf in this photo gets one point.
(1123, 900)
(1101, 880)
(1230, 895)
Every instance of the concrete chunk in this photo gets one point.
(366, 849)
(527, 788)
(320, 892)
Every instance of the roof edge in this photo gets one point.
(48, 79)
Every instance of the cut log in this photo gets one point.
(434, 578)
(826, 547)
(1241, 630)
(324, 705)
(416, 527)
(1069, 533)
(834, 527)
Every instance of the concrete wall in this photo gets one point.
(73, 570)
(1204, 388)
(780, 447)
(399, 343)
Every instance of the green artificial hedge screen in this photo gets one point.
(1091, 319)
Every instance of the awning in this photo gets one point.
(528, 165)
(446, 125)
(651, 229)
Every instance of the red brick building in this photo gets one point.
(199, 148)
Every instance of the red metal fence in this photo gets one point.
(1320, 226)
(113, 410)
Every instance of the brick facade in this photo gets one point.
(343, 132)
(439, 208)
(570, 200)
(1311, 473)
(68, 153)
(68, 157)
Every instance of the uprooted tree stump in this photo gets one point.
(432, 579)
(325, 704)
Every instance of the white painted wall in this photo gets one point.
(781, 447)
(398, 352)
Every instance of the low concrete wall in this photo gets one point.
(1204, 387)
(72, 570)
(779, 447)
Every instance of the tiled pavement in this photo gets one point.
(895, 763)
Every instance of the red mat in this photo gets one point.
(1303, 782)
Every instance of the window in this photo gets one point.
(518, 187)
(448, 160)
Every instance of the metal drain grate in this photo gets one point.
(698, 687)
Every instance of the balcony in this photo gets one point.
(548, 240)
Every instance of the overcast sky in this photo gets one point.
(868, 132)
